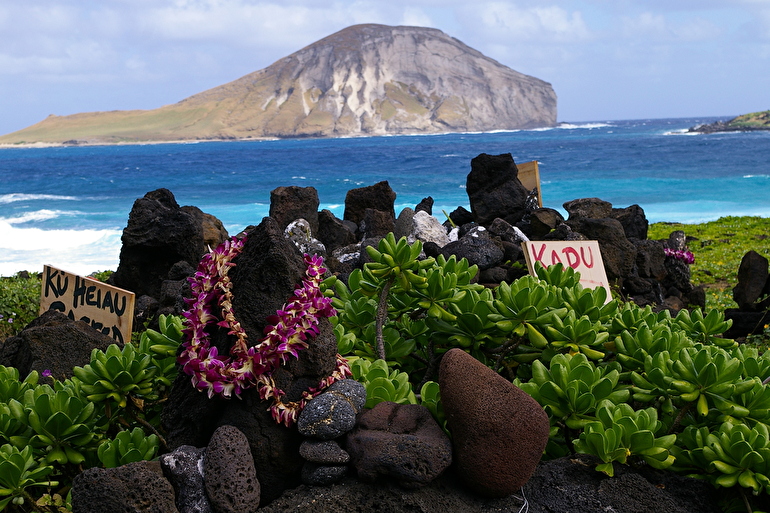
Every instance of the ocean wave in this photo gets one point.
(756, 176)
(18, 196)
(571, 126)
(32, 239)
(38, 215)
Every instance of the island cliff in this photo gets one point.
(363, 80)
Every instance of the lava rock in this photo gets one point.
(477, 248)
(229, 474)
(378, 196)
(634, 221)
(290, 203)
(159, 234)
(322, 475)
(52, 342)
(753, 283)
(588, 208)
(425, 205)
(403, 227)
(498, 431)
(133, 488)
(327, 416)
(182, 467)
(327, 452)
(333, 232)
(401, 442)
(376, 223)
(618, 253)
(494, 189)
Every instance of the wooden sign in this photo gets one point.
(583, 256)
(105, 308)
(529, 176)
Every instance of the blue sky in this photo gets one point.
(606, 59)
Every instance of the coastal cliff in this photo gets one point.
(363, 80)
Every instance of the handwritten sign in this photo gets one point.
(583, 256)
(106, 308)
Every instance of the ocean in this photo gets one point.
(67, 206)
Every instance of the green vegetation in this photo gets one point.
(620, 382)
(19, 302)
(718, 247)
(754, 119)
(106, 415)
(623, 383)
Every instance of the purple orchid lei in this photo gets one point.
(247, 367)
(686, 256)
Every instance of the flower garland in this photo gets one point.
(684, 255)
(247, 367)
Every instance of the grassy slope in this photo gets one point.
(754, 119)
(718, 247)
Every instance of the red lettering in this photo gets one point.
(573, 259)
(590, 253)
(555, 258)
(538, 256)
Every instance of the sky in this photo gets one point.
(606, 59)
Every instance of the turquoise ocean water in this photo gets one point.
(67, 206)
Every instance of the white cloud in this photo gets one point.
(548, 24)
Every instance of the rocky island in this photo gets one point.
(363, 80)
(743, 123)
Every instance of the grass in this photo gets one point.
(718, 247)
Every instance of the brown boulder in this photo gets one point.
(228, 472)
(498, 431)
(399, 441)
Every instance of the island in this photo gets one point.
(743, 123)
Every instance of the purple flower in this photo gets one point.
(46, 373)
(684, 255)
(248, 367)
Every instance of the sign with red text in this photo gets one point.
(105, 308)
(583, 256)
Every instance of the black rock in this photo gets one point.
(327, 452)
(182, 468)
(378, 197)
(329, 415)
(479, 250)
(134, 488)
(322, 475)
(588, 208)
(753, 283)
(52, 342)
(290, 203)
(494, 189)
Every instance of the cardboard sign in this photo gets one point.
(106, 308)
(583, 256)
(529, 176)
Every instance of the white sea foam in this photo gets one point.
(37, 215)
(17, 196)
(756, 176)
(583, 125)
(78, 251)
